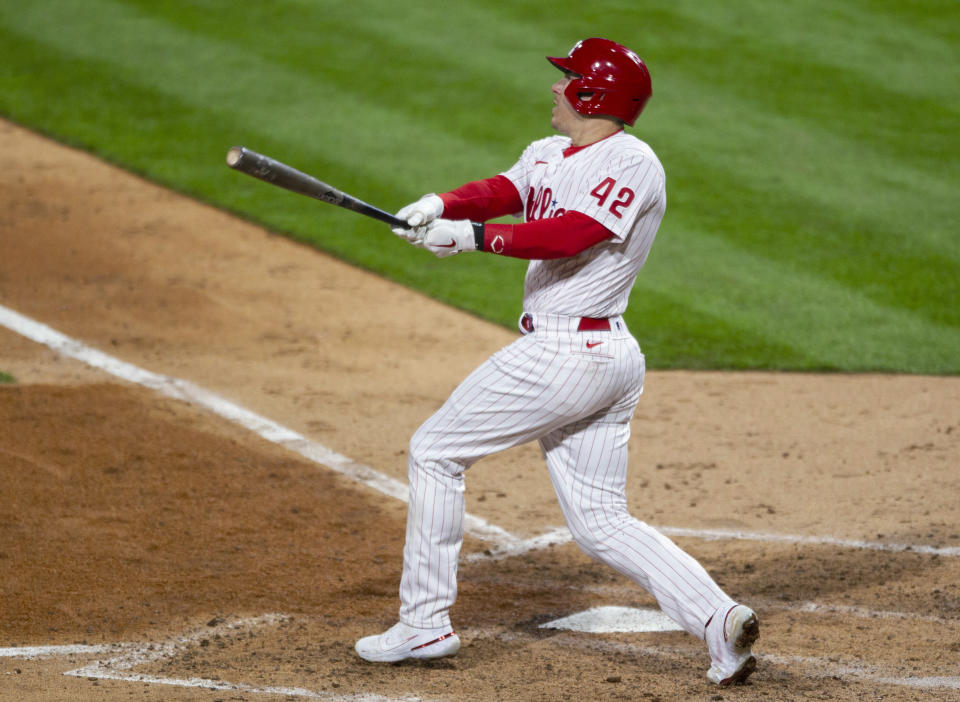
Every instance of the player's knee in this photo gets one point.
(595, 531)
(586, 536)
(428, 454)
(594, 543)
(424, 446)
(417, 451)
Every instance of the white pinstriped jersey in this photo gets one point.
(617, 181)
(574, 392)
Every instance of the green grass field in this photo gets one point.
(811, 147)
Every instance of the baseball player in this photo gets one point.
(591, 202)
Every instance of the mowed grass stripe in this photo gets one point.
(413, 47)
(886, 261)
(182, 141)
(294, 105)
(673, 334)
(182, 144)
(724, 147)
(742, 89)
(907, 47)
(794, 187)
(883, 135)
(831, 325)
(781, 68)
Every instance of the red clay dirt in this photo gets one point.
(130, 517)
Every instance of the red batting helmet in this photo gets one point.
(617, 78)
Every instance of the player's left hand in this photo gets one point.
(423, 211)
(417, 215)
(445, 237)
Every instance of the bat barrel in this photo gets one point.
(280, 174)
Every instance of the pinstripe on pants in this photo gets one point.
(578, 402)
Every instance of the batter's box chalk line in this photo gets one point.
(808, 666)
(823, 668)
(502, 543)
(121, 667)
(128, 656)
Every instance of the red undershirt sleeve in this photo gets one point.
(554, 237)
(481, 200)
(542, 239)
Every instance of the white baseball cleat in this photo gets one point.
(400, 642)
(730, 634)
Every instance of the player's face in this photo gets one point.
(563, 117)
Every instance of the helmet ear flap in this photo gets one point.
(617, 78)
(572, 93)
(584, 98)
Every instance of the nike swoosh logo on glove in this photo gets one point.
(446, 246)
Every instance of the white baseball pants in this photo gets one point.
(575, 392)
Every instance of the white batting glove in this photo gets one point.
(414, 235)
(445, 237)
(418, 214)
(423, 211)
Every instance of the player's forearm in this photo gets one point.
(481, 200)
(554, 237)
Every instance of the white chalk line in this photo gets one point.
(120, 667)
(627, 590)
(859, 612)
(31, 652)
(561, 535)
(504, 543)
(721, 534)
(131, 655)
(822, 668)
(811, 666)
(258, 424)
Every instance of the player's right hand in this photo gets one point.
(445, 237)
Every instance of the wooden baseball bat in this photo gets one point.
(280, 174)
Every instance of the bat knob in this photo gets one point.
(234, 155)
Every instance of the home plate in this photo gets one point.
(612, 620)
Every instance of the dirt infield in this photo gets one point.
(154, 549)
